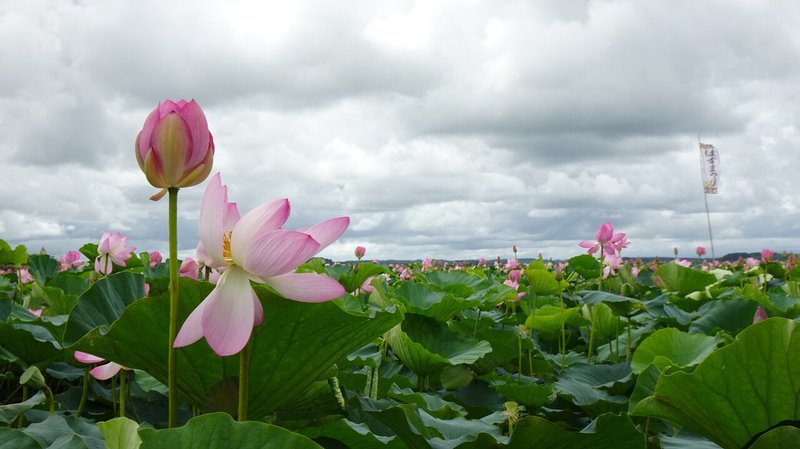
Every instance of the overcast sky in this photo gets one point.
(444, 129)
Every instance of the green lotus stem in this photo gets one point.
(21, 419)
(49, 393)
(172, 377)
(113, 398)
(593, 311)
(519, 356)
(530, 362)
(630, 342)
(84, 393)
(122, 384)
(616, 340)
(244, 376)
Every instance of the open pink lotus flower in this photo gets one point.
(112, 249)
(254, 248)
(606, 239)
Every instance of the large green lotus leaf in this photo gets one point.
(57, 302)
(603, 321)
(30, 343)
(621, 305)
(17, 439)
(610, 432)
(102, 304)
(120, 433)
(17, 256)
(69, 283)
(220, 430)
(732, 316)
(684, 280)
(645, 385)
(42, 267)
(10, 412)
(353, 435)
(665, 311)
(543, 282)
(66, 432)
(669, 346)
(549, 319)
(778, 438)
(595, 388)
(686, 440)
(425, 345)
(418, 429)
(524, 391)
(504, 341)
(432, 404)
(738, 391)
(457, 282)
(585, 265)
(420, 299)
(295, 346)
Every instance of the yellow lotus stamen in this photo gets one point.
(226, 247)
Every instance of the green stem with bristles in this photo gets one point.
(172, 377)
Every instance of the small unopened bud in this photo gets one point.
(360, 252)
(32, 378)
(760, 315)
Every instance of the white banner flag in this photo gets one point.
(710, 167)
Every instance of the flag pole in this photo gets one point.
(705, 195)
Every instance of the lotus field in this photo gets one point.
(257, 343)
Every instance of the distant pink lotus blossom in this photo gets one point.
(24, 276)
(512, 264)
(605, 239)
(155, 258)
(254, 247)
(760, 314)
(751, 263)
(113, 249)
(427, 264)
(481, 261)
(683, 262)
(70, 260)
(767, 255)
(101, 372)
(635, 270)
(701, 251)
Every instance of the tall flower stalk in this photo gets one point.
(172, 356)
(174, 149)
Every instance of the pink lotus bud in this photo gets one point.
(767, 254)
(155, 258)
(174, 147)
(701, 251)
(360, 251)
(760, 315)
(515, 275)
